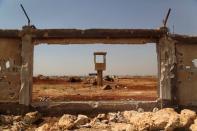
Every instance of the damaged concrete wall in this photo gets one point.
(10, 63)
(186, 73)
(167, 62)
(177, 59)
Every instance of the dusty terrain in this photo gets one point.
(84, 88)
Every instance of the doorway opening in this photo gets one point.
(66, 73)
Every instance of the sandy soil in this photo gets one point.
(125, 88)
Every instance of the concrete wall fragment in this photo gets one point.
(186, 73)
(10, 65)
(167, 63)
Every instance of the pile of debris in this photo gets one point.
(90, 80)
(110, 78)
(74, 79)
(165, 119)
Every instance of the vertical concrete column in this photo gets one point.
(159, 68)
(25, 95)
(100, 77)
(167, 59)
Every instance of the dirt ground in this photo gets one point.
(123, 88)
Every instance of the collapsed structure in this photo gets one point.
(177, 69)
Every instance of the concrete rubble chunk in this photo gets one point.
(101, 116)
(55, 127)
(193, 127)
(81, 120)
(32, 117)
(120, 118)
(18, 126)
(112, 117)
(5, 119)
(67, 121)
(128, 114)
(44, 127)
(104, 121)
(142, 121)
(166, 119)
(17, 118)
(87, 125)
(187, 117)
(123, 127)
(100, 125)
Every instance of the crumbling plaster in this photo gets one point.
(10, 64)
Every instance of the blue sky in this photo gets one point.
(83, 14)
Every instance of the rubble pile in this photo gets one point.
(166, 119)
(74, 79)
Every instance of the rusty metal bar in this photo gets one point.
(166, 18)
(25, 14)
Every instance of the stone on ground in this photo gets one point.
(101, 116)
(187, 117)
(166, 119)
(81, 120)
(17, 118)
(5, 119)
(18, 126)
(193, 127)
(123, 127)
(112, 117)
(32, 117)
(142, 121)
(44, 127)
(128, 114)
(66, 121)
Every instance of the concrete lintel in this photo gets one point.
(92, 36)
(184, 38)
(77, 36)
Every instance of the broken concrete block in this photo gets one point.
(67, 121)
(44, 127)
(32, 117)
(187, 117)
(81, 120)
(5, 119)
(123, 127)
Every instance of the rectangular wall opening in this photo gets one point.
(66, 73)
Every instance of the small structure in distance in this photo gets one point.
(100, 66)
